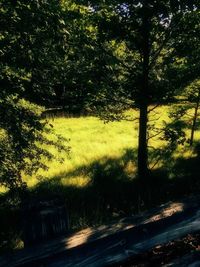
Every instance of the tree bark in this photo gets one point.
(195, 119)
(143, 120)
(142, 144)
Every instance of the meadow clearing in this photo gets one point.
(92, 140)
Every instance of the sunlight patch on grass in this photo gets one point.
(79, 181)
(92, 140)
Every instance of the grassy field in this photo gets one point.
(93, 141)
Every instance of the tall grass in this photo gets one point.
(92, 140)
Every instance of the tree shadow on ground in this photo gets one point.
(112, 192)
(186, 173)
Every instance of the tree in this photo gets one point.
(84, 59)
(31, 40)
(196, 108)
(145, 30)
(187, 50)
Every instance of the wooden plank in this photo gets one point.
(100, 242)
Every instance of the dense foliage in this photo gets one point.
(31, 42)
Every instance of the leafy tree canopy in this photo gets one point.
(31, 40)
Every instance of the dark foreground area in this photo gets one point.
(145, 240)
(181, 252)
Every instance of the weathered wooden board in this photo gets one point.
(109, 244)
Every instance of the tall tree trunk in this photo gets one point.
(142, 144)
(143, 120)
(195, 119)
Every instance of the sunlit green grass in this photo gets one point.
(91, 140)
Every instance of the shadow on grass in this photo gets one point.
(186, 174)
(112, 193)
